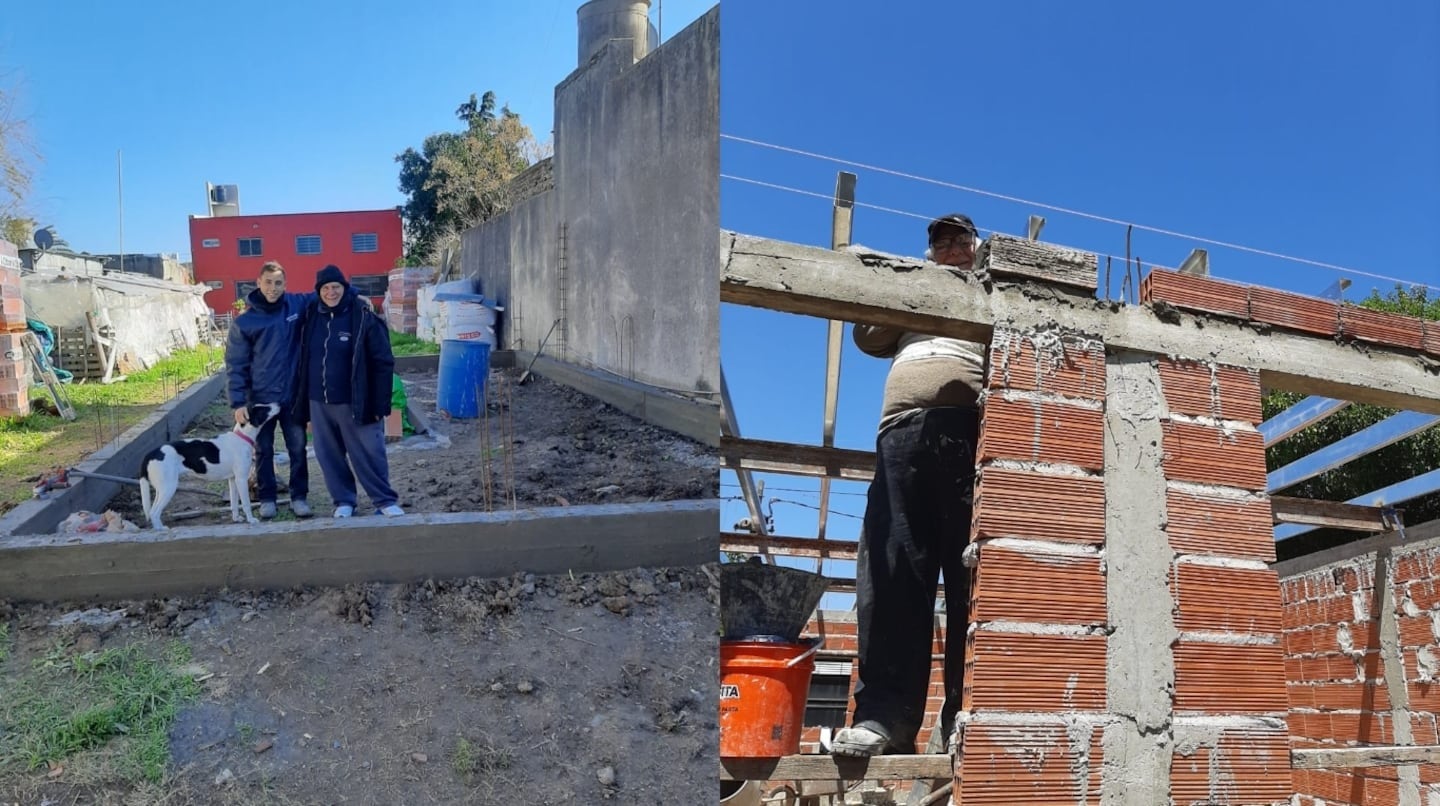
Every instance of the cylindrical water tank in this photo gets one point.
(627, 20)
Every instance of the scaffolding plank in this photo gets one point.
(797, 460)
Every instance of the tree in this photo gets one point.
(17, 159)
(460, 179)
(1403, 460)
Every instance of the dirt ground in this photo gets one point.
(564, 448)
(594, 689)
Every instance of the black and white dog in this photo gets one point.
(227, 456)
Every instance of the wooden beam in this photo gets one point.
(787, 546)
(1377, 756)
(881, 289)
(1331, 514)
(798, 460)
(831, 768)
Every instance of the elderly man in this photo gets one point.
(260, 356)
(917, 521)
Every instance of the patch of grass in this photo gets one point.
(245, 731)
(33, 444)
(119, 702)
(462, 758)
(406, 344)
(4, 642)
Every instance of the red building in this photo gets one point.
(229, 250)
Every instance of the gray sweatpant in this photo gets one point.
(338, 438)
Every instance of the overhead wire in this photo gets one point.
(1071, 211)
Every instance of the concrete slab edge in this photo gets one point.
(196, 560)
(699, 420)
(121, 457)
(499, 359)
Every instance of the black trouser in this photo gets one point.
(917, 523)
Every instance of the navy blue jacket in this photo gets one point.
(366, 382)
(263, 347)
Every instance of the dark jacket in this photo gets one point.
(372, 364)
(262, 348)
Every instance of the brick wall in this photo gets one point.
(1362, 657)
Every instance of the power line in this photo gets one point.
(1069, 211)
(796, 490)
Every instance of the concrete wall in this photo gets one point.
(636, 188)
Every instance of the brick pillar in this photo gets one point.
(1230, 738)
(14, 365)
(1035, 656)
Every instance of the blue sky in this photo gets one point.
(1308, 133)
(303, 105)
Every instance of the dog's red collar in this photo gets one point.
(241, 434)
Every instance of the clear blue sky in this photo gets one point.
(304, 105)
(1305, 129)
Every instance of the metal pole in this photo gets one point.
(120, 194)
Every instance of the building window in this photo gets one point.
(829, 695)
(364, 242)
(249, 247)
(243, 288)
(307, 244)
(373, 285)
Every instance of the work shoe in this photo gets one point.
(392, 511)
(301, 509)
(344, 511)
(861, 740)
(267, 510)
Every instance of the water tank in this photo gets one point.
(604, 20)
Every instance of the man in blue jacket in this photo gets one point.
(260, 356)
(343, 388)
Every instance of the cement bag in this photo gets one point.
(467, 321)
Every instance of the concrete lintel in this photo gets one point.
(193, 560)
(882, 289)
(696, 419)
(121, 457)
(1410, 540)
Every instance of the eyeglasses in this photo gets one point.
(959, 241)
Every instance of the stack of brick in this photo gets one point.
(14, 364)
(1034, 699)
(402, 298)
(1362, 656)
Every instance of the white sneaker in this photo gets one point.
(393, 510)
(343, 511)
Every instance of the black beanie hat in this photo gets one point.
(330, 274)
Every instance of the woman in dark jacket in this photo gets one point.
(343, 386)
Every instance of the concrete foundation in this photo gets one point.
(186, 561)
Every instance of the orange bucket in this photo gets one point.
(764, 683)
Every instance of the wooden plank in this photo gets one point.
(787, 546)
(831, 768)
(1332, 514)
(799, 460)
(1376, 756)
(875, 288)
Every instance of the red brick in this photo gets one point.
(15, 370)
(1381, 327)
(1416, 566)
(1247, 765)
(1215, 599)
(1294, 311)
(1203, 390)
(1005, 765)
(1042, 431)
(1192, 293)
(1063, 368)
(1020, 503)
(1210, 455)
(1416, 631)
(1201, 523)
(1351, 697)
(1013, 672)
(1006, 581)
(1366, 728)
(1229, 678)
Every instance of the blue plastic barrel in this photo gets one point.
(464, 366)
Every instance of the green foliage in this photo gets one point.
(1403, 460)
(459, 179)
(406, 344)
(70, 704)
